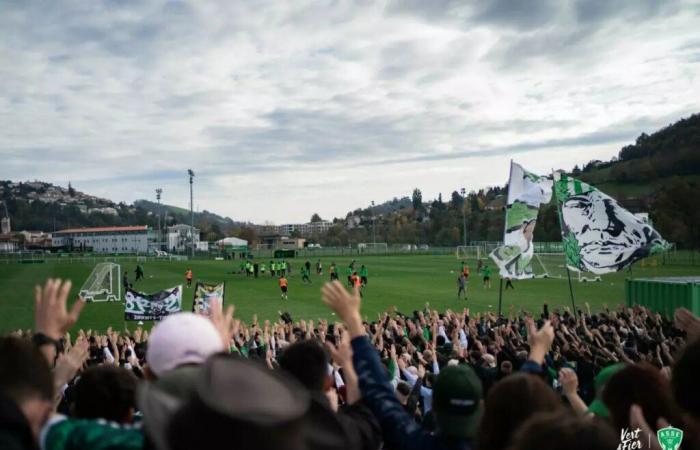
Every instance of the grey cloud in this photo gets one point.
(518, 14)
(588, 11)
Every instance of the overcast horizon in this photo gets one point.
(284, 110)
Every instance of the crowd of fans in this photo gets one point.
(408, 380)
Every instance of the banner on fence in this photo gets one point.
(156, 306)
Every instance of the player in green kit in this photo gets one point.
(348, 273)
(363, 275)
(263, 267)
(486, 272)
(305, 271)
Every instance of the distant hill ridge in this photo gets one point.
(659, 173)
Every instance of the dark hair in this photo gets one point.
(307, 361)
(213, 428)
(685, 379)
(105, 392)
(639, 384)
(24, 371)
(509, 403)
(563, 430)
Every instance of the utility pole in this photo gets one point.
(374, 229)
(191, 174)
(464, 215)
(158, 213)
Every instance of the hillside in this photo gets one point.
(659, 174)
(37, 205)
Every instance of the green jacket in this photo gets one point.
(62, 433)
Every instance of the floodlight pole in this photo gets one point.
(464, 216)
(374, 230)
(159, 212)
(191, 174)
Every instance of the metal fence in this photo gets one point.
(680, 258)
(673, 257)
(72, 258)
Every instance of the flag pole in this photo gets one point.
(500, 297)
(505, 227)
(561, 226)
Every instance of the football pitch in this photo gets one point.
(407, 282)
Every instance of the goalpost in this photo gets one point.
(552, 265)
(469, 252)
(548, 265)
(373, 247)
(103, 284)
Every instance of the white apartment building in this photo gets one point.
(133, 239)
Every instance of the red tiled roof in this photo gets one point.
(103, 229)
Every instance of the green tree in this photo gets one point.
(417, 199)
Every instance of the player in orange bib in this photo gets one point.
(283, 287)
(188, 277)
(356, 282)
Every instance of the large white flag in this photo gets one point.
(599, 235)
(526, 192)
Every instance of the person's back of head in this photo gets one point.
(181, 339)
(233, 402)
(640, 384)
(509, 403)
(457, 396)
(105, 392)
(26, 383)
(563, 431)
(307, 361)
(684, 380)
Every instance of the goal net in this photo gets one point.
(373, 247)
(548, 265)
(552, 265)
(103, 284)
(469, 252)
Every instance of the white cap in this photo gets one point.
(182, 338)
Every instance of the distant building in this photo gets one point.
(304, 229)
(280, 242)
(134, 239)
(8, 243)
(180, 237)
(5, 227)
(36, 239)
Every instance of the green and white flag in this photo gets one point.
(140, 306)
(203, 295)
(526, 192)
(599, 235)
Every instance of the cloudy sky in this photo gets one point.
(284, 109)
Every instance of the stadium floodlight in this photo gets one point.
(191, 174)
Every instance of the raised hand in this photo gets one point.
(69, 363)
(540, 341)
(345, 305)
(568, 380)
(342, 354)
(50, 315)
(223, 322)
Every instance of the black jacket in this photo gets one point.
(15, 431)
(353, 427)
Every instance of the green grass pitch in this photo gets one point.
(406, 282)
